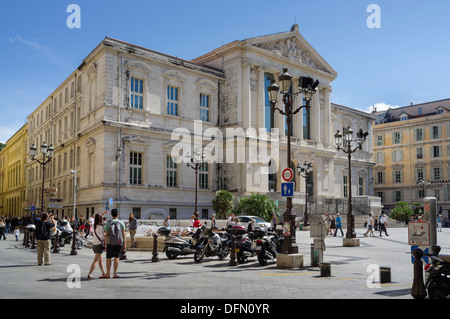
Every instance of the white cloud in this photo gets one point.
(381, 106)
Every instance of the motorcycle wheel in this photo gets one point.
(80, 244)
(262, 259)
(199, 254)
(171, 255)
(241, 258)
(436, 291)
(223, 253)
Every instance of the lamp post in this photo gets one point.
(47, 154)
(423, 185)
(306, 86)
(305, 171)
(346, 147)
(196, 163)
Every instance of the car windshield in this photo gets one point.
(258, 220)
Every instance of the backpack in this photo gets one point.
(115, 234)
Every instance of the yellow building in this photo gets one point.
(12, 175)
(412, 154)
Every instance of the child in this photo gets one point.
(17, 233)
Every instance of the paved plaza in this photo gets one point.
(352, 271)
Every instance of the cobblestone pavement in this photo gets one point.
(182, 278)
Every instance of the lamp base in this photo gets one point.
(350, 242)
(289, 261)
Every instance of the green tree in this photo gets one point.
(401, 212)
(223, 203)
(2, 146)
(257, 205)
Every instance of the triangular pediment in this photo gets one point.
(292, 46)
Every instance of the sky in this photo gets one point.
(403, 59)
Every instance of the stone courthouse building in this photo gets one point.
(117, 119)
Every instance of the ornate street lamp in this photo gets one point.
(197, 163)
(47, 154)
(346, 147)
(307, 87)
(305, 171)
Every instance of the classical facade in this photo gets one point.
(13, 175)
(412, 144)
(127, 117)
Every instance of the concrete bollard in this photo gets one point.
(25, 234)
(418, 290)
(385, 275)
(33, 241)
(155, 257)
(27, 243)
(325, 269)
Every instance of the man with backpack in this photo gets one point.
(115, 242)
(43, 233)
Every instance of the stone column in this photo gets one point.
(327, 117)
(260, 108)
(315, 118)
(246, 96)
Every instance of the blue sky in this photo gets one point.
(405, 60)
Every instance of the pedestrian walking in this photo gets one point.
(383, 223)
(338, 222)
(2, 229)
(274, 221)
(44, 226)
(439, 222)
(17, 233)
(369, 226)
(328, 220)
(213, 221)
(98, 246)
(115, 242)
(132, 229)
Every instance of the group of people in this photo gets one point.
(379, 223)
(335, 224)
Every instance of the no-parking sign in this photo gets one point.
(287, 174)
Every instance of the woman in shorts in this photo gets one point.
(98, 243)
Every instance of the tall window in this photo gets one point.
(396, 137)
(361, 186)
(135, 168)
(203, 176)
(172, 100)
(268, 114)
(204, 107)
(171, 172)
(397, 176)
(419, 134)
(419, 153)
(436, 173)
(137, 93)
(345, 186)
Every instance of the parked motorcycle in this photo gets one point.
(438, 282)
(267, 246)
(211, 244)
(244, 247)
(175, 246)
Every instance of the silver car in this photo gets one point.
(259, 222)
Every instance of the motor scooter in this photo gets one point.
(175, 246)
(438, 281)
(211, 244)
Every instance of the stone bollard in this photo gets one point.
(74, 252)
(33, 240)
(155, 249)
(418, 290)
(385, 275)
(27, 243)
(325, 269)
(25, 234)
(233, 252)
(56, 245)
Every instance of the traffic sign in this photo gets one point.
(287, 175)
(287, 189)
(419, 233)
(110, 202)
(424, 257)
(32, 208)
